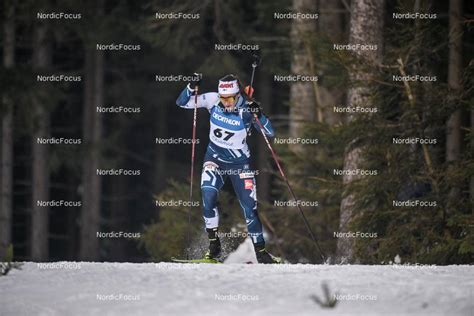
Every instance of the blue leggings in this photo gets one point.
(213, 176)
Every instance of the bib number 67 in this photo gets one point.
(218, 132)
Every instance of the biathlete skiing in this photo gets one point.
(232, 114)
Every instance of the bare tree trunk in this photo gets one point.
(331, 22)
(161, 124)
(366, 28)
(6, 167)
(91, 182)
(118, 218)
(453, 132)
(72, 223)
(92, 134)
(302, 97)
(472, 177)
(40, 186)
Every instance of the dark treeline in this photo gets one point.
(365, 170)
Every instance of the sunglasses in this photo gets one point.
(231, 98)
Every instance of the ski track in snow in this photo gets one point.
(204, 289)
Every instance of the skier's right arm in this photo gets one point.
(187, 99)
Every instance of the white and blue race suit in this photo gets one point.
(228, 155)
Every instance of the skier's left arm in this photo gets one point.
(264, 120)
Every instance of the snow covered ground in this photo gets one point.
(83, 288)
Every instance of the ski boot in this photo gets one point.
(214, 251)
(263, 256)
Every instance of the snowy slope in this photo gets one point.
(234, 289)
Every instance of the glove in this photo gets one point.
(255, 108)
(192, 85)
(249, 90)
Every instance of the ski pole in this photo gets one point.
(255, 63)
(193, 149)
(275, 158)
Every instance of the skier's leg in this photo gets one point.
(245, 187)
(211, 182)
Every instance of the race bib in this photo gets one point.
(227, 131)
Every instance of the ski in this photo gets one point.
(195, 260)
